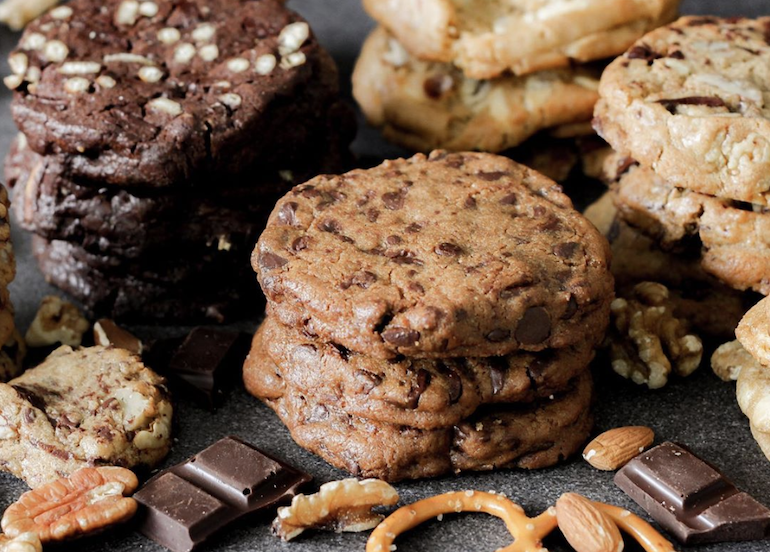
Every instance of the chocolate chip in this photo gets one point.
(330, 225)
(393, 240)
(300, 244)
(455, 161)
(393, 200)
(414, 228)
(498, 335)
(416, 288)
(362, 279)
(404, 257)
(566, 250)
(534, 327)
(642, 51)
(447, 249)
(436, 86)
(470, 202)
(454, 385)
(401, 337)
(342, 352)
(372, 215)
(676, 54)
(368, 380)
(708, 101)
(287, 213)
(418, 388)
(497, 376)
(491, 176)
(105, 432)
(510, 199)
(270, 261)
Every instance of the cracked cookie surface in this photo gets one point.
(448, 255)
(689, 101)
(86, 407)
(488, 37)
(152, 93)
(425, 105)
(422, 393)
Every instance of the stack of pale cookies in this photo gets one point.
(430, 315)
(685, 110)
(481, 75)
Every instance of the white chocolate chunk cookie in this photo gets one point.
(488, 37)
(93, 406)
(689, 101)
(427, 105)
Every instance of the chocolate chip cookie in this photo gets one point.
(730, 236)
(426, 105)
(421, 393)
(94, 406)
(152, 94)
(449, 255)
(193, 286)
(688, 101)
(531, 436)
(486, 38)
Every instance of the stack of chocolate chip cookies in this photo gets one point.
(430, 315)
(480, 75)
(685, 110)
(155, 139)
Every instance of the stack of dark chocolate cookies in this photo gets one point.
(430, 315)
(684, 109)
(155, 139)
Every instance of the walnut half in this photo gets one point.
(647, 342)
(26, 542)
(341, 506)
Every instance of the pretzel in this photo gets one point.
(641, 531)
(528, 533)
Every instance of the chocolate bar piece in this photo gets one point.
(184, 506)
(690, 498)
(207, 361)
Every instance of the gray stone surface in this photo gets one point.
(700, 412)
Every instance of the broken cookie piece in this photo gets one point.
(342, 506)
(56, 321)
(93, 406)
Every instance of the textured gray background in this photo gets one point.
(700, 412)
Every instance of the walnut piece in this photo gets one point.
(753, 393)
(647, 342)
(728, 360)
(89, 500)
(56, 321)
(26, 542)
(341, 506)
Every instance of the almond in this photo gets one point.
(613, 449)
(586, 528)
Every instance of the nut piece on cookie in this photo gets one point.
(89, 500)
(26, 542)
(56, 321)
(107, 333)
(728, 360)
(647, 342)
(93, 406)
(341, 506)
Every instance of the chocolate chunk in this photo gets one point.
(288, 213)
(271, 260)
(394, 200)
(448, 250)
(402, 337)
(499, 335)
(566, 250)
(186, 505)
(418, 388)
(534, 327)
(208, 361)
(642, 51)
(437, 85)
(107, 333)
(330, 225)
(708, 101)
(492, 175)
(690, 498)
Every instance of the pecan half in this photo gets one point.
(89, 500)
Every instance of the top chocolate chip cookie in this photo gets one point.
(449, 255)
(486, 38)
(691, 102)
(146, 93)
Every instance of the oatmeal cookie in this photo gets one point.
(95, 406)
(488, 37)
(426, 105)
(442, 256)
